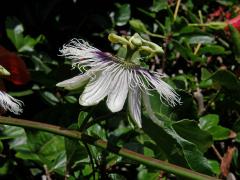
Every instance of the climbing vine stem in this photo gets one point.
(148, 161)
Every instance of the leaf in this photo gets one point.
(50, 97)
(175, 146)
(1, 146)
(186, 53)
(213, 49)
(227, 2)
(40, 147)
(190, 131)
(75, 152)
(160, 123)
(187, 110)
(159, 5)
(192, 155)
(49, 148)
(226, 79)
(145, 174)
(15, 33)
(97, 131)
(215, 166)
(123, 14)
(238, 137)
(17, 136)
(166, 146)
(71, 99)
(200, 39)
(205, 81)
(138, 26)
(40, 65)
(82, 118)
(209, 123)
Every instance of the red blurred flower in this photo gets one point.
(228, 15)
(15, 65)
(216, 13)
(235, 22)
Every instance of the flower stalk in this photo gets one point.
(148, 161)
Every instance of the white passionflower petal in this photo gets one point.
(134, 105)
(9, 103)
(118, 91)
(165, 91)
(75, 82)
(77, 49)
(96, 90)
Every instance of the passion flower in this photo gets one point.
(117, 79)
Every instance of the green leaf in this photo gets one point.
(209, 123)
(190, 131)
(186, 53)
(17, 136)
(138, 26)
(1, 147)
(159, 5)
(71, 99)
(75, 152)
(49, 148)
(4, 169)
(97, 131)
(82, 119)
(177, 144)
(205, 74)
(187, 110)
(205, 81)
(15, 31)
(238, 137)
(215, 166)
(200, 39)
(145, 174)
(227, 2)
(123, 14)
(50, 97)
(226, 79)
(39, 63)
(40, 147)
(174, 146)
(213, 49)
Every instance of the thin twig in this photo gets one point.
(91, 159)
(199, 98)
(176, 9)
(48, 176)
(217, 153)
(199, 44)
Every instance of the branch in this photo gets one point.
(148, 161)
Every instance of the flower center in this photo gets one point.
(128, 64)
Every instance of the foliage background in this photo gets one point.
(202, 134)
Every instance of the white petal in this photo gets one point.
(77, 49)
(166, 91)
(7, 102)
(96, 90)
(134, 105)
(119, 91)
(75, 82)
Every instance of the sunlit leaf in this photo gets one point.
(123, 14)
